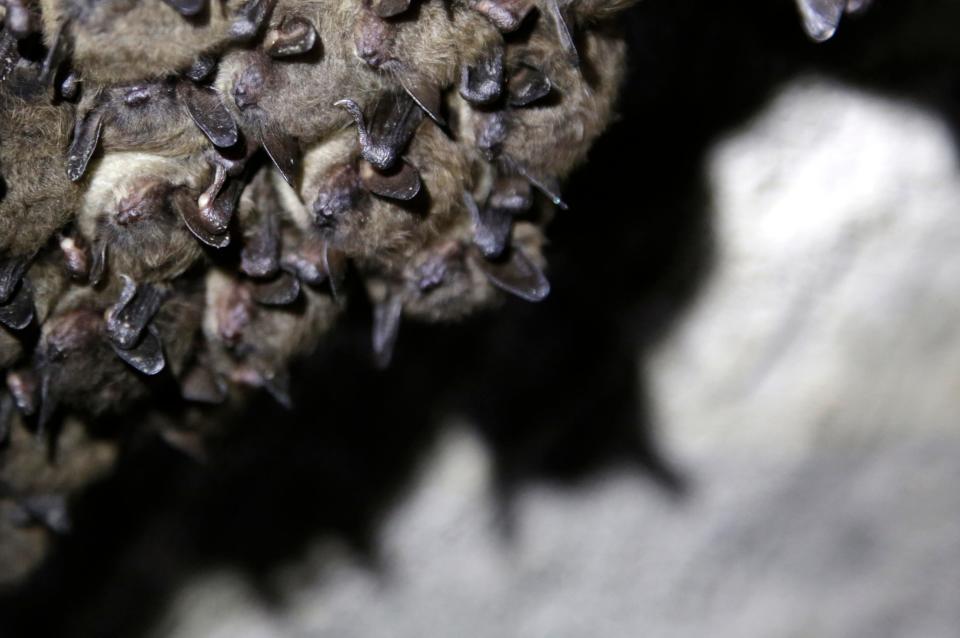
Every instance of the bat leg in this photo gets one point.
(517, 275)
(481, 84)
(821, 17)
(281, 291)
(17, 312)
(527, 85)
(401, 183)
(294, 36)
(389, 8)
(506, 15)
(250, 18)
(128, 318)
(146, 355)
(386, 327)
(86, 138)
(208, 113)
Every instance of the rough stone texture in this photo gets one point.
(810, 392)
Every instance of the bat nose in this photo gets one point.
(131, 209)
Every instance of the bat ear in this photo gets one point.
(281, 291)
(389, 8)
(527, 85)
(386, 327)
(146, 356)
(208, 113)
(128, 318)
(249, 18)
(402, 182)
(187, 8)
(518, 275)
(98, 262)
(393, 123)
(283, 151)
(481, 83)
(563, 33)
(294, 36)
(11, 272)
(49, 396)
(821, 17)
(506, 15)
(86, 138)
(425, 93)
(260, 255)
(189, 213)
(17, 312)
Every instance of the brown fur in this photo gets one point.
(39, 198)
(116, 41)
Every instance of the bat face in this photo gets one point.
(130, 211)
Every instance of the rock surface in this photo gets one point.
(810, 393)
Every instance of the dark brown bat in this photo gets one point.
(123, 41)
(339, 191)
(38, 198)
(444, 45)
(253, 345)
(170, 117)
(132, 215)
(543, 140)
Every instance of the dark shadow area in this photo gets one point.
(555, 389)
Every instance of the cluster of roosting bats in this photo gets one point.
(186, 184)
